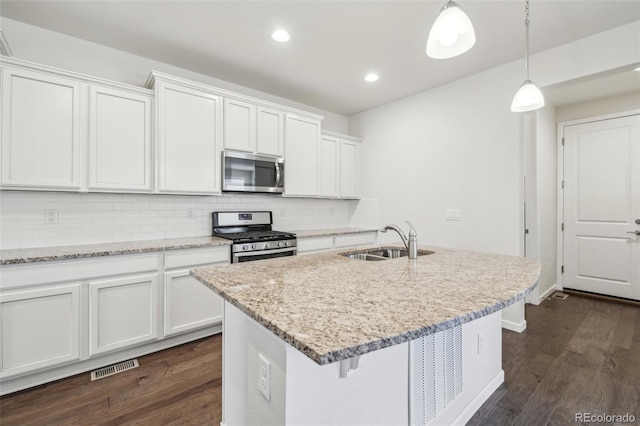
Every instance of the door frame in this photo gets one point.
(560, 180)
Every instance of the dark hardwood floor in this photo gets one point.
(577, 355)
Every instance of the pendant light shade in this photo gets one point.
(528, 97)
(451, 34)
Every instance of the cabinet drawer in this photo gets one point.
(183, 259)
(355, 239)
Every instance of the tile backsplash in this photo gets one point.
(98, 218)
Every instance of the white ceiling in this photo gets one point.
(333, 43)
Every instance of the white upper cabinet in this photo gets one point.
(340, 166)
(329, 167)
(189, 131)
(119, 140)
(239, 125)
(302, 139)
(252, 128)
(42, 126)
(270, 132)
(349, 169)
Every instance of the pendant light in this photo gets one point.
(528, 97)
(451, 34)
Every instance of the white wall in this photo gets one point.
(456, 146)
(604, 106)
(459, 146)
(62, 51)
(98, 218)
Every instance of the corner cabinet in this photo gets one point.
(340, 166)
(42, 128)
(301, 154)
(189, 134)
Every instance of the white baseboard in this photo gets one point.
(480, 399)
(547, 293)
(518, 327)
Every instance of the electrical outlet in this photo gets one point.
(51, 216)
(264, 377)
(191, 213)
(283, 212)
(452, 214)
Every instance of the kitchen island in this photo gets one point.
(325, 339)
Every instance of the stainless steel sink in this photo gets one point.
(381, 253)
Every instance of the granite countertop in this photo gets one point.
(44, 254)
(331, 307)
(311, 233)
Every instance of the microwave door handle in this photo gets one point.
(277, 175)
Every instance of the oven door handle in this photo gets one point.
(262, 252)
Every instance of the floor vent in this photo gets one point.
(559, 295)
(114, 369)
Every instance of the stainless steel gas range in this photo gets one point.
(252, 235)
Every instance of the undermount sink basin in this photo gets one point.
(381, 253)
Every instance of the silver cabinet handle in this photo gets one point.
(634, 232)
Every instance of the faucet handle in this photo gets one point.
(412, 230)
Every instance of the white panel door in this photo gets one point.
(329, 167)
(270, 132)
(189, 304)
(302, 136)
(123, 312)
(239, 125)
(119, 140)
(41, 131)
(39, 328)
(602, 207)
(189, 130)
(349, 169)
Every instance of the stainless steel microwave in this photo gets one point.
(242, 172)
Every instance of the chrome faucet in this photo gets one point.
(410, 243)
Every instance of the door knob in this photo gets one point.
(634, 232)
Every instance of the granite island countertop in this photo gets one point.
(331, 307)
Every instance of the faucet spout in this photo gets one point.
(410, 243)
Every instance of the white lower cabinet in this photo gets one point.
(189, 304)
(123, 312)
(61, 318)
(40, 328)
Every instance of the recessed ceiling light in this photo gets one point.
(371, 77)
(280, 36)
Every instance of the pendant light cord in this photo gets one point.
(526, 27)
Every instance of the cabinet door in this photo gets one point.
(189, 304)
(119, 140)
(349, 169)
(41, 131)
(270, 132)
(329, 167)
(239, 125)
(189, 130)
(40, 328)
(302, 137)
(123, 312)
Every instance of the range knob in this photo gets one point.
(253, 246)
(245, 247)
(267, 245)
(283, 243)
